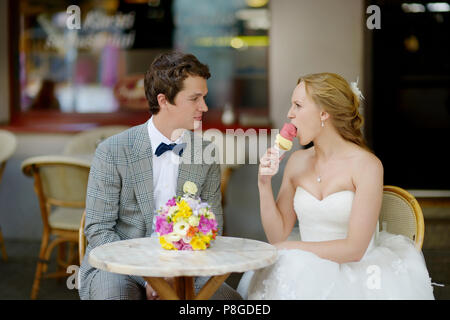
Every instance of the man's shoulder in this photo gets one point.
(124, 140)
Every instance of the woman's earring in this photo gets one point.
(323, 125)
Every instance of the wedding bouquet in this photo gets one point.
(186, 223)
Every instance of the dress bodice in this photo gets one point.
(326, 219)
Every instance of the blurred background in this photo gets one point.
(65, 71)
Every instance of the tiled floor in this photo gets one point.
(17, 274)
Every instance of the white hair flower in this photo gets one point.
(355, 89)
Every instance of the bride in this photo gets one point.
(335, 190)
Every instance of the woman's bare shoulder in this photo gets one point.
(366, 163)
(299, 160)
(301, 154)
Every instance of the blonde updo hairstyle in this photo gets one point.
(333, 94)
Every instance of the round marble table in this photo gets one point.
(145, 257)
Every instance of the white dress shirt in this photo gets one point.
(165, 170)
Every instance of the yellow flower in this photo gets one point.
(205, 239)
(198, 244)
(166, 245)
(190, 187)
(184, 211)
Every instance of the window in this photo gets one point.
(79, 64)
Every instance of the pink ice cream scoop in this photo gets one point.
(289, 131)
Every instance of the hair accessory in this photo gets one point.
(355, 89)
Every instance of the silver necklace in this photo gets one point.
(319, 178)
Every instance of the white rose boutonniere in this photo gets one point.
(190, 187)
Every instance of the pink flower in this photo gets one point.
(162, 226)
(213, 224)
(204, 225)
(181, 245)
(171, 202)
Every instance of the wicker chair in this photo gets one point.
(60, 183)
(400, 214)
(82, 243)
(86, 142)
(8, 145)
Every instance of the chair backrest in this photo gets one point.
(8, 144)
(82, 238)
(401, 214)
(86, 142)
(58, 181)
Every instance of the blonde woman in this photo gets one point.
(334, 189)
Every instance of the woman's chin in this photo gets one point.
(303, 143)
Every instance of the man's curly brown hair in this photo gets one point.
(167, 73)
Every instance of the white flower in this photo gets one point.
(194, 220)
(180, 228)
(210, 215)
(190, 187)
(355, 89)
(172, 237)
(172, 211)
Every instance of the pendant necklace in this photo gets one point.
(319, 178)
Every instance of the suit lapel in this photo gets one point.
(142, 163)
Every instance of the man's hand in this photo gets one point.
(152, 294)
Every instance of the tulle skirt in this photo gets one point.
(392, 269)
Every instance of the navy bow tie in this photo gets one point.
(176, 148)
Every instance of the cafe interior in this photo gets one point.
(72, 74)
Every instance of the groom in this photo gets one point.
(135, 172)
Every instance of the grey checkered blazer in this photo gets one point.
(119, 201)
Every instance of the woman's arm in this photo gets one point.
(368, 180)
(278, 218)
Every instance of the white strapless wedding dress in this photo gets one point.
(392, 268)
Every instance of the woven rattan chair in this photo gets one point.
(82, 243)
(60, 183)
(8, 145)
(401, 214)
(86, 142)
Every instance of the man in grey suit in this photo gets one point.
(135, 172)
